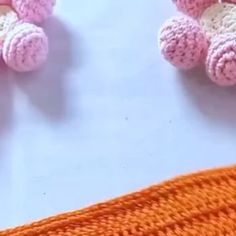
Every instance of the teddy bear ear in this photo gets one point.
(33, 11)
(194, 8)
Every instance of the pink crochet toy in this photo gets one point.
(24, 46)
(207, 33)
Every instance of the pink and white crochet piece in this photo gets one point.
(23, 44)
(206, 33)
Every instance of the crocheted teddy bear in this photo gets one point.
(23, 44)
(206, 34)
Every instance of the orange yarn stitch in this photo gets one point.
(201, 204)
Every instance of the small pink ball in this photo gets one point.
(182, 42)
(193, 8)
(25, 48)
(34, 11)
(221, 60)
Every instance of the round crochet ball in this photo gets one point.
(193, 8)
(221, 60)
(33, 10)
(219, 19)
(25, 48)
(182, 42)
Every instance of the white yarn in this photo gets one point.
(7, 17)
(218, 19)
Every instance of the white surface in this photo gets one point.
(107, 115)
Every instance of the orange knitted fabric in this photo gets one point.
(202, 204)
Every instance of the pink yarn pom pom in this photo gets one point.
(182, 42)
(221, 60)
(25, 48)
(33, 10)
(193, 8)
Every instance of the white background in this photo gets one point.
(106, 115)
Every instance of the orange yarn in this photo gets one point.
(202, 204)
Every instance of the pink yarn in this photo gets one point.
(193, 8)
(182, 42)
(221, 60)
(25, 47)
(33, 10)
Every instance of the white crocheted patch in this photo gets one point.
(7, 17)
(218, 19)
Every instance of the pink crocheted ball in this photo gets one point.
(23, 45)
(33, 10)
(221, 60)
(182, 42)
(193, 8)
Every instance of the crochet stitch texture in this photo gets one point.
(206, 33)
(23, 44)
(202, 203)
